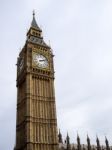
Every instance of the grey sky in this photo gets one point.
(80, 33)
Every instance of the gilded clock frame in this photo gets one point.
(45, 54)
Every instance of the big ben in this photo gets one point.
(36, 125)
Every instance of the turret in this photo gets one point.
(60, 137)
(98, 143)
(78, 143)
(88, 143)
(68, 142)
(107, 144)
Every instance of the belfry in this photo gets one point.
(36, 125)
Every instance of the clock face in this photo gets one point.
(40, 60)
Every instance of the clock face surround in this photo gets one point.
(40, 60)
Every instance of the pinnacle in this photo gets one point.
(34, 23)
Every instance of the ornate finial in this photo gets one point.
(106, 140)
(78, 138)
(88, 143)
(77, 135)
(78, 142)
(97, 139)
(67, 138)
(60, 137)
(67, 135)
(87, 136)
(68, 142)
(59, 131)
(107, 143)
(98, 143)
(33, 13)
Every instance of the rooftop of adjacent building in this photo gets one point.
(66, 145)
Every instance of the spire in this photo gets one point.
(68, 142)
(34, 23)
(107, 144)
(60, 137)
(68, 139)
(78, 142)
(78, 138)
(88, 143)
(33, 13)
(98, 143)
(34, 34)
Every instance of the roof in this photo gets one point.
(34, 23)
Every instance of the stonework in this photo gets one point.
(36, 127)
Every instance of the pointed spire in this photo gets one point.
(88, 143)
(107, 143)
(98, 143)
(78, 142)
(68, 142)
(34, 23)
(68, 139)
(78, 138)
(33, 13)
(60, 137)
(88, 139)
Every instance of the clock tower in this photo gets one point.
(36, 125)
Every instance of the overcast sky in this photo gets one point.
(80, 33)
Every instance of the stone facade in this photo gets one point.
(36, 127)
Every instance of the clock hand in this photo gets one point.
(42, 60)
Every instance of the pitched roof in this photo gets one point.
(34, 23)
